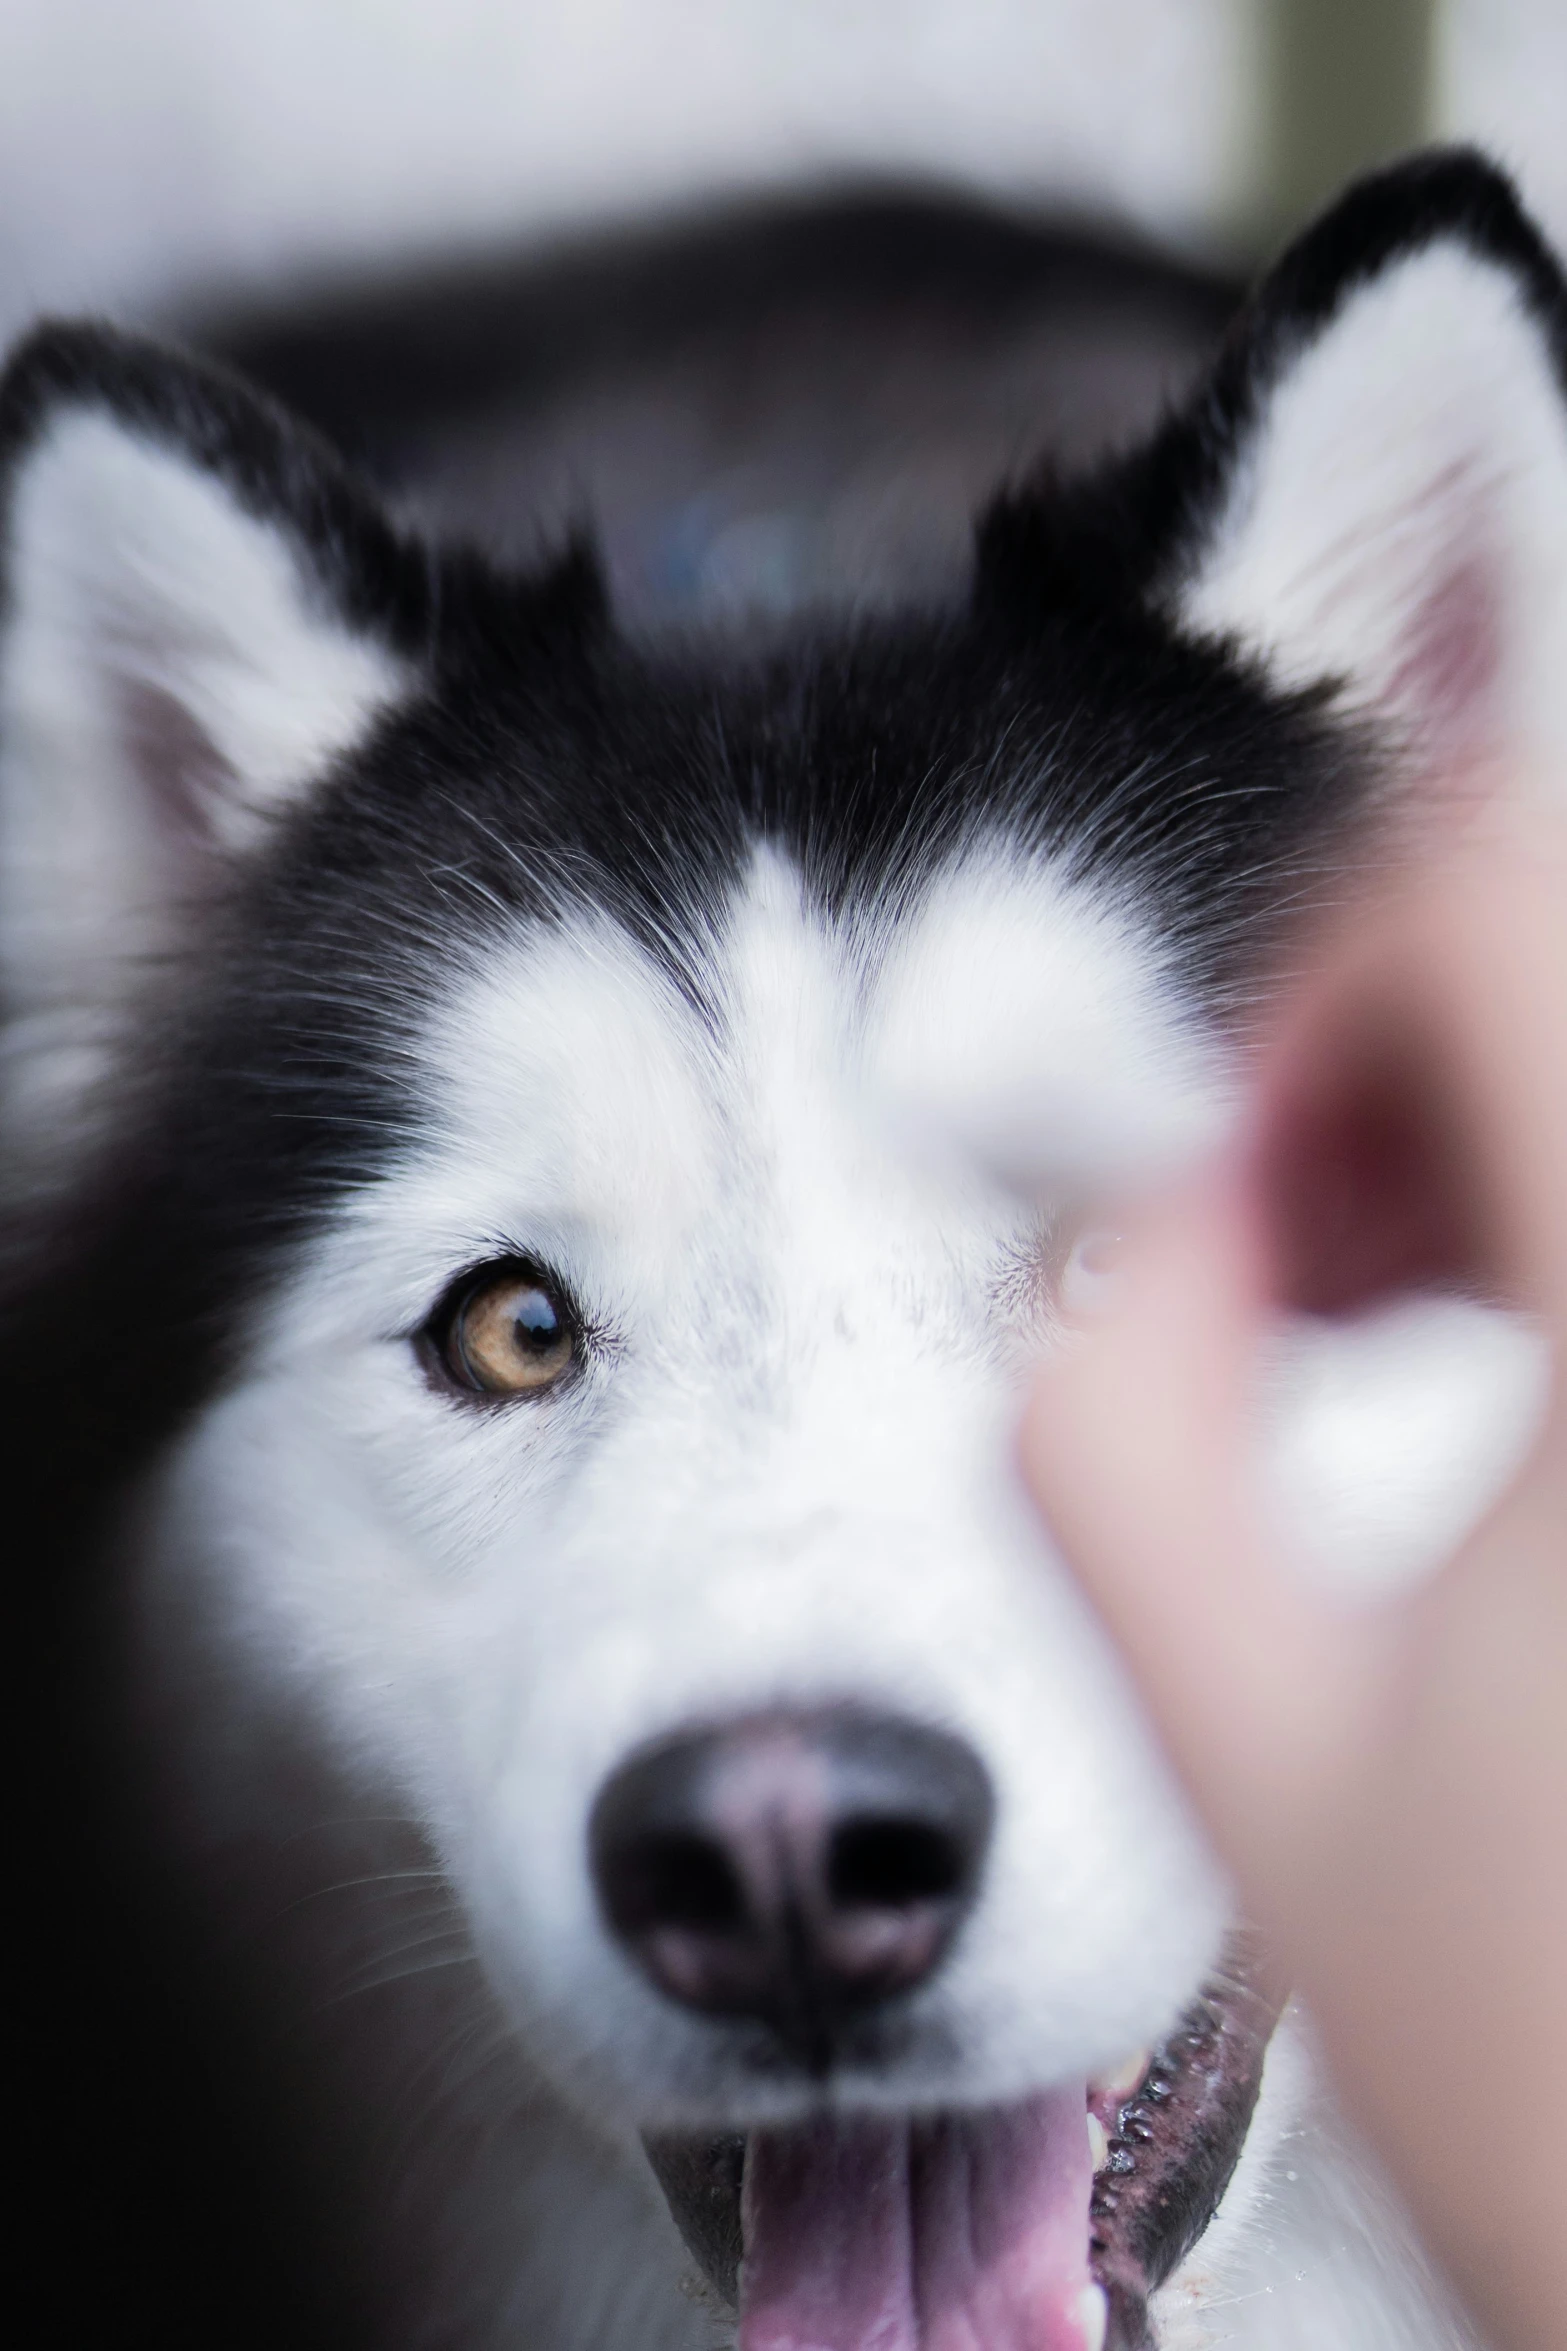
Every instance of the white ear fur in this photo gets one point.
(170, 679)
(1399, 522)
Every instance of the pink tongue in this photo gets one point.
(963, 2233)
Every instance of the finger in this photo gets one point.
(1409, 1127)
(1139, 1446)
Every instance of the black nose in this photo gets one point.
(800, 1868)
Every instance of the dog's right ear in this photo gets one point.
(199, 614)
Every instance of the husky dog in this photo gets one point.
(591, 1819)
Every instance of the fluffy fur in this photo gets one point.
(369, 913)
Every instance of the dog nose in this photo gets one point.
(798, 1868)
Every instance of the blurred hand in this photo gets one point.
(1388, 1785)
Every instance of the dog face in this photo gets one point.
(562, 1177)
(769, 1478)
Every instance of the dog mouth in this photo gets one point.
(1045, 2225)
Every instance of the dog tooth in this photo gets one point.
(1126, 2077)
(1093, 2316)
(1098, 2144)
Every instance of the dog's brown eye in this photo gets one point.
(509, 1333)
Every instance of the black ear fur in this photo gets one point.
(1129, 531)
(282, 472)
(277, 471)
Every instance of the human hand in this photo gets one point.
(1388, 1785)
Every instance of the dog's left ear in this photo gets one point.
(1376, 479)
(1368, 494)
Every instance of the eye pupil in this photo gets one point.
(538, 1324)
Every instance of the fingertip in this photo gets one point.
(1135, 1424)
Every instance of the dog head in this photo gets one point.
(586, 1389)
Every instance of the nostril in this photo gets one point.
(893, 1864)
(673, 1879)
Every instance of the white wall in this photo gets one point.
(151, 144)
(1503, 81)
(151, 147)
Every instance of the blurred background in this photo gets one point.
(774, 288)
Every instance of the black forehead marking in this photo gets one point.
(641, 784)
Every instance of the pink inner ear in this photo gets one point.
(1445, 687)
(189, 788)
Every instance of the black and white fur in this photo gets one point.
(366, 912)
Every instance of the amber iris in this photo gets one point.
(509, 1334)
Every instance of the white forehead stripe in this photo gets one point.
(1009, 1008)
(1028, 1022)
